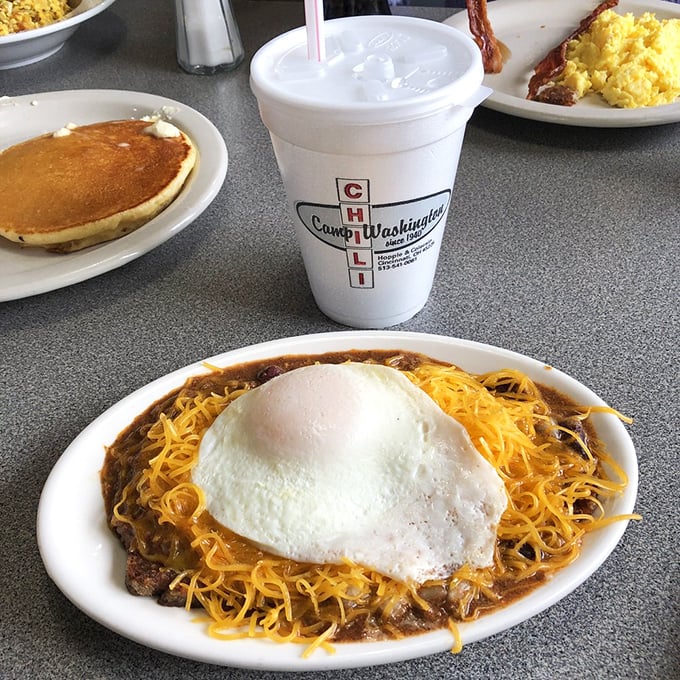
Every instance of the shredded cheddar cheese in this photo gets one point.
(247, 593)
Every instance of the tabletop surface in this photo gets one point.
(561, 244)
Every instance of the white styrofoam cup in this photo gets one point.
(368, 145)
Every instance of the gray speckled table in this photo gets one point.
(562, 245)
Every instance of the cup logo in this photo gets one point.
(374, 237)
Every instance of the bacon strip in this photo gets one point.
(554, 62)
(483, 35)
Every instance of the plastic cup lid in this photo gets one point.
(377, 68)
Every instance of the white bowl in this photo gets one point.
(27, 47)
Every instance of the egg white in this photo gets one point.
(327, 462)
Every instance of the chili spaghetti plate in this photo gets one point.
(91, 572)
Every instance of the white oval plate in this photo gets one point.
(91, 572)
(530, 29)
(29, 271)
(27, 47)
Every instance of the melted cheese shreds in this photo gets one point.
(247, 593)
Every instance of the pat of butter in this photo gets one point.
(65, 131)
(162, 129)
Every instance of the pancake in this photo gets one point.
(84, 185)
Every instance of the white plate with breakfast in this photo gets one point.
(93, 572)
(29, 46)
(530, 29)
(26, 271)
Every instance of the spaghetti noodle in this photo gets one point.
(551, 463)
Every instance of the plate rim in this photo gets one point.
(203, 185)
(600, 117)
(262, 654)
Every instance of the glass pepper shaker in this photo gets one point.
(207, 36)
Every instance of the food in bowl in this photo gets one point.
(172, 512)
(23, 15)
(83, 185)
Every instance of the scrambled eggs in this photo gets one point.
(22, 15)
(630, 61)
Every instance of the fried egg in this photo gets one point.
(351, 461)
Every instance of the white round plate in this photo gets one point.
(530, 29)
(91, 572)
(29, 271)
(27, 47)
